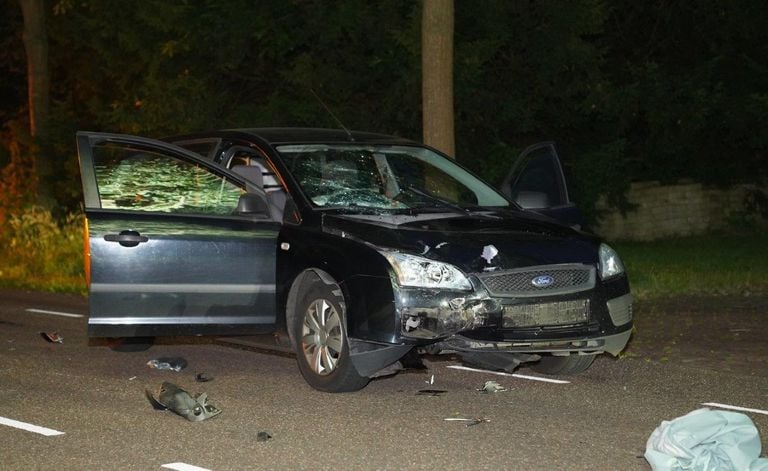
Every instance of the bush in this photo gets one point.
(40, 252)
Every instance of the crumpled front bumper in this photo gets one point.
(612, 344)
(475, 321)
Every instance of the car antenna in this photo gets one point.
(349, 134)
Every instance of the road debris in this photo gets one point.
(52, 337)
(431, 392)
(706, 440)
(431, 380)
(469, 421)
(179, 401)
(203, 377)
(263, 436)
(491, 387)
(167, 363)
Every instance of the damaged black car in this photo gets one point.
(360, 247)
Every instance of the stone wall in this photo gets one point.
(672, 210)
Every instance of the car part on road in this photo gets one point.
(203, 377)
(496, 360)
(166, 363)
(563, 365)
(319, 331)
(492, 387)
(179, 401)
(52, 337)
(470, 422)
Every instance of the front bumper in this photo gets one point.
(595, 320)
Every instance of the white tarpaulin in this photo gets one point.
(706, 440)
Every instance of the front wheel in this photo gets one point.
(568, 365)
(322, 350)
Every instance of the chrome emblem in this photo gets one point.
(542, 281)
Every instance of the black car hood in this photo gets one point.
(475, 242)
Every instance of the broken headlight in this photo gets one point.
(610, 263)
(421, 272)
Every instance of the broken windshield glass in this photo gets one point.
(386, 178)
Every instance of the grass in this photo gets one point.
(40, 253)
(713, 264)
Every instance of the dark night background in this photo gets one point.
(631, 91)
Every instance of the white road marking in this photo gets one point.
(29, 427)
(742, 409)
(184, 467)
(54, 313)
(516, 375)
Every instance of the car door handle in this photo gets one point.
(126, 238)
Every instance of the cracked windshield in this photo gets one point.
(385, 178)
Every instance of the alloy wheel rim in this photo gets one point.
(322, 337)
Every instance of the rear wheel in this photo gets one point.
(319, 328)
(557, 365)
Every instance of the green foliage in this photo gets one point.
(721, 265)
(39, 252)
(629, 90)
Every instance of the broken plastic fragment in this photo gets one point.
(203, 377)
(172, 397)
(165, 363)
(431, 392)
(263, 436)
(52, 337)
(431, 380)
(492, 387)
(471, 421)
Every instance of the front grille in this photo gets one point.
(565, 279)
(546, 314)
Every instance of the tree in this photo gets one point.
(38, 86)
(437, 75)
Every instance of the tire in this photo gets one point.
(319, 328)
(570, 365)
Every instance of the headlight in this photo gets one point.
(610, 263)
(421, 272)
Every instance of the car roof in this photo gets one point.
(286, 135)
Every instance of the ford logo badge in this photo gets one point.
(542, 281)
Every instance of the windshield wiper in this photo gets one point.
(436, 199)
(355, 209)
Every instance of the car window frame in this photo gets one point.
(92, 201)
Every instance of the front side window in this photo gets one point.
(539, 172)
(141, 180)
(384, 177)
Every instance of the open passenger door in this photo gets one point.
(536, 182)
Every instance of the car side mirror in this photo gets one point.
(532, 200)
(252, 204)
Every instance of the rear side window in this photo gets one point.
(141, 180)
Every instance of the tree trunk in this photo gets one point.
(38, 86)
(437, 74)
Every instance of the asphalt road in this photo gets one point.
(600, 420)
